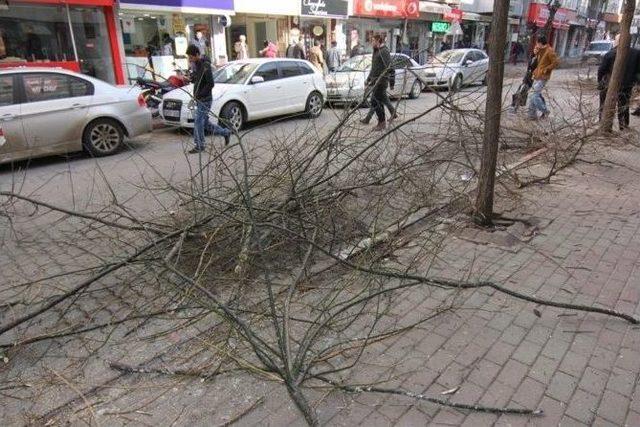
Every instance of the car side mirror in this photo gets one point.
(257, 79)
(468, 62)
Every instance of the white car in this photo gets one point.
(596, 51)
(347, 84)
(46, 111)
(455, 68)
(252, 89)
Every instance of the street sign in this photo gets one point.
(454, 16)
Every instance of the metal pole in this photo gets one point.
(73, 38)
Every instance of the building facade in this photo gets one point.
(156, 33)
(79, 35)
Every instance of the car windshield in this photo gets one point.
(448, 57)
(234, 73)
(600, 47)
(357, 63)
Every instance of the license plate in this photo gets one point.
(172, 113)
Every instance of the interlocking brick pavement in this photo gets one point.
(580, 368)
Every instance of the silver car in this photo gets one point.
(347, 84)
(455, 68)
(46, 111)
(596, 51)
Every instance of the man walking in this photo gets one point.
(379, 79)
(333, 57)
(547, 62)
(626, 86)
(316, 56)
(202, 79)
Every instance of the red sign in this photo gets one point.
(539, 13)
(454, 16)
(387, 8)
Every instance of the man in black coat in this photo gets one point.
(379, 79)
(626, 86)
(202, 79)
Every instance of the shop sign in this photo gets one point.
(455, 15)
(539, 13)
(440, 27)
(324, 8)
(398, 9)
(182, 4)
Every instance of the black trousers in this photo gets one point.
(624, 97)
(379, 99)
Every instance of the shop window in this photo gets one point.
(268, 71)
(35, 33)
(47, 86)
(6, 91)
(92, 42)
(290, 69)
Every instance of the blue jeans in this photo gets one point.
(536, 101)
(201, 124)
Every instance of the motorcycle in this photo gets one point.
(152, 91)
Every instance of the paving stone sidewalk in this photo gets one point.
(579, 368)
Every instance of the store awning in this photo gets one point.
(434, 7)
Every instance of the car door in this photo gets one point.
(54, 110)
(13, 144)
(467, 67)
(400, 76)
(295, 85)
(266, 98)
(483, 65)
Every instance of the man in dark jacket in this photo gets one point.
(379, 79)
(202, 79)
(626, 86)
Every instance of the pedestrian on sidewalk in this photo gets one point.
(629, 79)
(547, 62)
(270, 50)
(379, 79)
(316, 56)
(202, 79)
(333, 57)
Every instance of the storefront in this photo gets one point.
(538, 15)
(79, 35)
(430, 31)
(262, 20)
(324, 21)
(156, 33)
(386, 17)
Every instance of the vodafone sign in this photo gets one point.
(387, 8)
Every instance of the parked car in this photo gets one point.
(596, 51)
(252, 89)
(46, 111)
(347, 84)
(455, 68)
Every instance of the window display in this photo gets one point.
(35, 33)
(155, 43)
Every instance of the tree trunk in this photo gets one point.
(553, 7)
(615, 82)
(484, 200)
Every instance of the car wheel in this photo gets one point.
(456, 84)
(484, 79)
(103, 137)
(314, 104)
(416, 89)
(232, 116)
